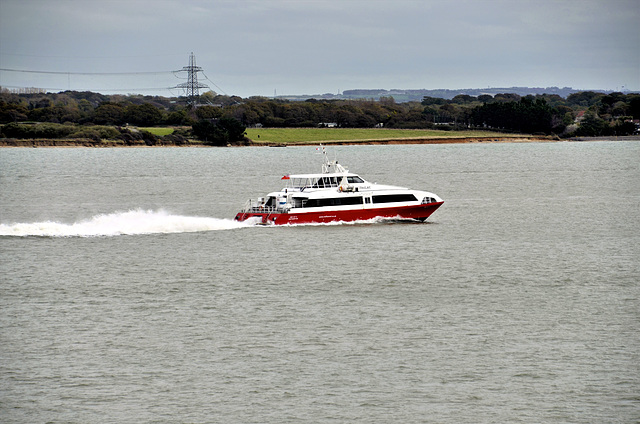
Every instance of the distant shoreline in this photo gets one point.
(391, 141)
(433, 140)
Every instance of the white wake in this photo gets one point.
(122, 223)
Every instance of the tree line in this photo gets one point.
(222, 119)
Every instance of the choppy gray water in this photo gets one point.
(128, 294)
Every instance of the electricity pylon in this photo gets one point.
(192, 86)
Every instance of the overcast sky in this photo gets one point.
(264, 47)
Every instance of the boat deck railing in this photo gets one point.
(252, 207)
(261, 209)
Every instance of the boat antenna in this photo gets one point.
(328, 166)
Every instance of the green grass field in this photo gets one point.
(294, 136)
(328, 135)
(159, 131)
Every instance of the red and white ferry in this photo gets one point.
(336, 194)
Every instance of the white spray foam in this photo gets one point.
(122, 223)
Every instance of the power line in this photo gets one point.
(98, 90)
(191, 86)
(88, 57)
(214, 84)
(86, 73)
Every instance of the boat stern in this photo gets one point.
(266, 218)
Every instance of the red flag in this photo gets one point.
(286, 177)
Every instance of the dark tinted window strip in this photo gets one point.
(390, 198)
(341, 201)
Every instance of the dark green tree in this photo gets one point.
(428, 101)
(463, 98)
(528, 115)
(179, 117)
(224, 131)
(12, 112)
(592, 125)
(584, 98)
(144, 115)
(109, 114)
(208, 112)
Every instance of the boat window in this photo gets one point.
(326, 182)
(354, 180)
(299, 182)
(299, 202)
(338, 201)
(390, 198)
(271, 202)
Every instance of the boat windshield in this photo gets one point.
(315, 182)
(326, 182)
(300, 182)
(322, 181)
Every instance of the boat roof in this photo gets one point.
(330, 168)
(320, 175)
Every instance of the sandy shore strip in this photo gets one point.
(425, 140)
(11, 142)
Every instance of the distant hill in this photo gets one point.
(400, 95)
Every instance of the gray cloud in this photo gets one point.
(295, 47)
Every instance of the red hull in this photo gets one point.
(418, 212)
